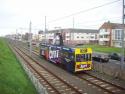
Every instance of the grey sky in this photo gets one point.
(17, 13)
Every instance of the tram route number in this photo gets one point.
(83, 50)
(53, 54)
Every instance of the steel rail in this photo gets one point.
(74, 89)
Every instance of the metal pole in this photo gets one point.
(122, 50)
(16, 37)
(45, 30)
(73, 22)
(30, 38)
(72, 33)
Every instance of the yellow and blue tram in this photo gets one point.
(74, 59)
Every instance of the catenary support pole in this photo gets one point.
(122, 48)
(30, 38)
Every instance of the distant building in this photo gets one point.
(110, 34)
(35, 37)
(26, 36)
(15, 36)
(74, 36)
(40, 35)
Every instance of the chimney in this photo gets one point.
(108, 21)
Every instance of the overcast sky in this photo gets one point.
(16, 14)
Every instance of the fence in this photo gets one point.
(40, 88)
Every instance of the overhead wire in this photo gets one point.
(83, 11)
(113, 18)
(73, 14)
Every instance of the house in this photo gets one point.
(110, 34)
(74, 36)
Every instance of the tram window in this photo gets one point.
(71, 56)
(77, 58)
(65, 54)
(88, 57)
(80, 57)
(83, 57)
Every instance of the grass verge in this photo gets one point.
(13, 79)
(104, 49)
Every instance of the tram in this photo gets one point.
(74, 59)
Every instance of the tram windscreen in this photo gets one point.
(83, 57)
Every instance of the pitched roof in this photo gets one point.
(112, 25)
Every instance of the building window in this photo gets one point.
(102, 30)
(105, 36)
(101, 36)
(113, 34)
(118, 34)
(67, 36)
(91, 37)
(120, 44)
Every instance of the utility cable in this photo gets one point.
(83, 11)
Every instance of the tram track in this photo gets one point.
(104, 85)
(58, 85)
(98, 82)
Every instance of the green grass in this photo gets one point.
(103, 49)
(13, 79)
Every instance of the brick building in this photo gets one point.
(110, 34)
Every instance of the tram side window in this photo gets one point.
(66, 54)
(71, 56)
